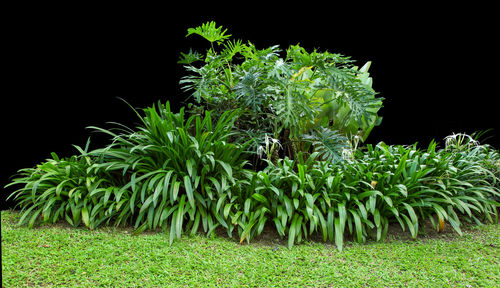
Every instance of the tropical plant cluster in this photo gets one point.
(265, 141)
(301, 99)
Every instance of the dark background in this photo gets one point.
(436, 69)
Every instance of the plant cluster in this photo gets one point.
(300, 99)
(267, 141)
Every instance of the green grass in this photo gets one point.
(57, 255)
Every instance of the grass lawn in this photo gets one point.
(60, 256)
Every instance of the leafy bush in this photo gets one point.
(171, 170)
(181, 172)
(67, 189)
(304, 96)
(381, 185)
(432, 183)
(293, 195)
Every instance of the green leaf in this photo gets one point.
(342, 215)
(190, 57)
(309, 200)
(288, 205)
(275, 190)
(156, 194)
(259, 197)
(330, 144)
(302, 172)
(180, 217)
(189, 190)
(247, 206)
(411, 212)
(388, 200)
(221, 200)
(402, 189)
(227, 168)
(210, 32)
(227, 209)
(411, 226)
(400, 168)
(339, 234)
(140, 229)
(359, 229)
(372, 202)
(376, 217)
(368, 193)
(196, 224)
(246, 230)
(189, 166)
(330, 223)
(85, 216)
(172, 228)
(234, 218)
(292, 231)
(146, 204)
(175, 190)
(454, 221)
(440, 211)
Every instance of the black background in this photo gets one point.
(435, 67)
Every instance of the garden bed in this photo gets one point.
(270, 149)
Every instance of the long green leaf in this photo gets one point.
(189, 190)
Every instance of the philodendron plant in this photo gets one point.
(307, 100)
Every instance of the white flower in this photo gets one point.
(460, 140)
(347, 154)
(260, 151)
(269, 147)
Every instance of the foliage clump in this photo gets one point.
(266, 140)
(300, 98)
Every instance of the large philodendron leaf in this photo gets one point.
(203, 82)
(348, 102)
(250, 91)
(210, 32)
(330, 144)
(368, 123)
(190, 57)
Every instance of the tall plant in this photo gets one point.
(298, 98)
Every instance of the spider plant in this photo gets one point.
(413, 185)
(66, 188)
(179, 171)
